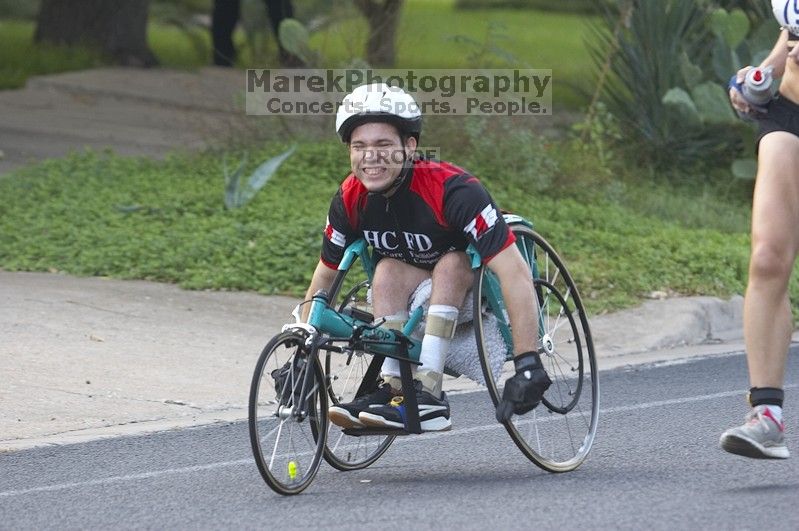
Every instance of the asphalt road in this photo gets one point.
(655, 464)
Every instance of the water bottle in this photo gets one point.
(757, 87)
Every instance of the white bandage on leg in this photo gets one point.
(390, 370)
(442, 327)
(438, 333)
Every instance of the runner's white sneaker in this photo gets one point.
(762, 436)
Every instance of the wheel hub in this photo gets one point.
(285, 412)
(548, 344)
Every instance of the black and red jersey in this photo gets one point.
(438, 208)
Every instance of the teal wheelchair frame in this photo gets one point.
(564, 334)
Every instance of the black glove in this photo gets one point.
(524, 390)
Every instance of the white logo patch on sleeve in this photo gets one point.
(486, 219)
(335, 237)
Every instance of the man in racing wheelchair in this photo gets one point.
(419, 216)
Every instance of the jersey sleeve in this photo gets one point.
(338, 234)
(469, 207)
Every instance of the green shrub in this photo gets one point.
(513, 157)
(98, 214)
(645, 54)
(669, 63)
(756, 10)
(103, 215)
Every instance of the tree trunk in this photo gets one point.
(118, 28)
(383, 17)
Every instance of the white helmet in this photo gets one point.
(378, 103)
(787, 14)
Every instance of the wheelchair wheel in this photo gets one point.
(558, 434)
(347, 378)
(287, 424)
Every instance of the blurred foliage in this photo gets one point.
(644, 55)
(17, 9)
(259, 39)
(104, 215)
(598, 136)
(756, 10)
(294, 37)
(623, 229)
(240, 191)
(190, 17)
(190, 7)
(703, 103)
(539, 39)
(310, 17)
(319, 14)
(175, 49)
(669, 63)
(20, 58)
(489, 52)
(505, 152)
(564, 6)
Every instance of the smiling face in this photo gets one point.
(377, 154)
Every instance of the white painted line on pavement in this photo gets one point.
(606, 411)
(426, 437)
(130, 477)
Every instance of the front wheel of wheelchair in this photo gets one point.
(558, 434)
(288, 414)
(349, 376)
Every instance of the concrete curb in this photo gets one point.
(668, 323)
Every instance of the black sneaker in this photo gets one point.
(433, 413)
(346, 414)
